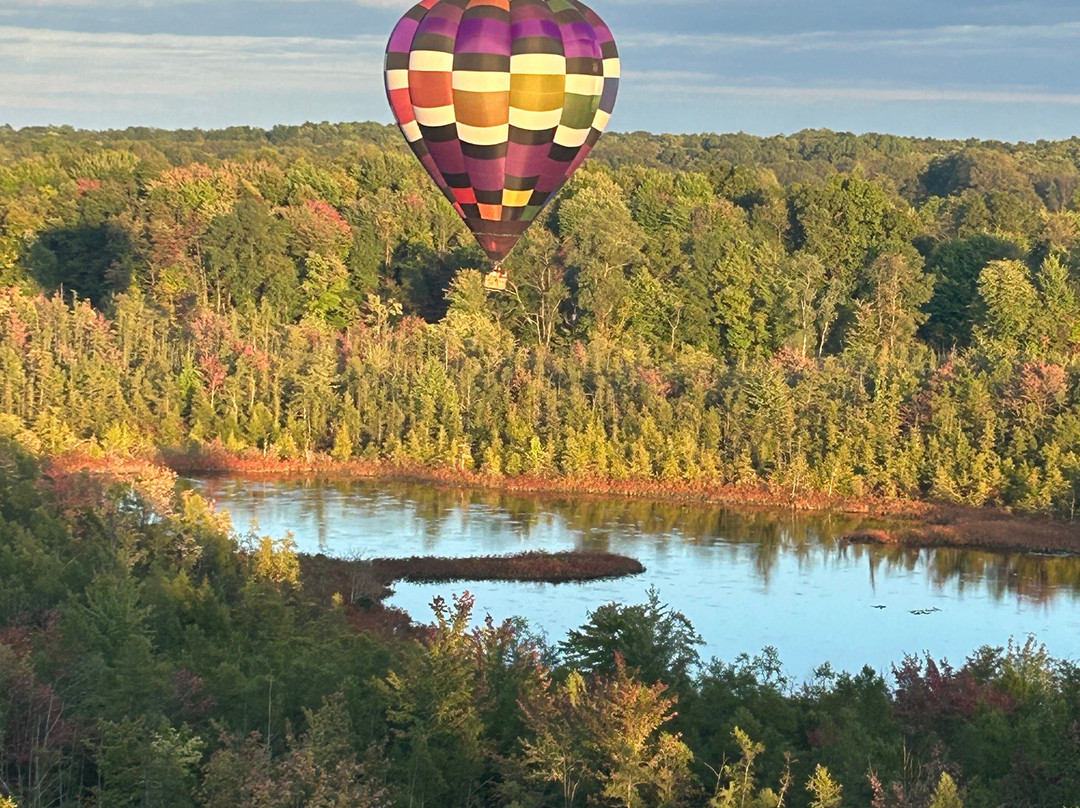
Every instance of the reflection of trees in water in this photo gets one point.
(1037, 579)
(1032, 578)
(613, 525)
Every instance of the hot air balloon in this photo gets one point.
(501, 101)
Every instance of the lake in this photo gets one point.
(746, 580)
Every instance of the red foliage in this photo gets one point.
(75, 489)
(18, 330)
(210, 331)
(1037, 384)
(214, 370)
(385, 621)
(259, 359)
(80, 482)
(929, 695)
(328, 213)
(193, 704)
(84, 185)
(35, 722)
(654, 380)
(410, 325)
(920, 409)
(18, 638)
(793, 362)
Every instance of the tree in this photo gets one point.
(601, 737)
(846, 223)
(537, 281)
(812, 299)
(955, 267)
(1010, 304)
(736, 785)
(826, 791)
(330, 297)
(144, 767)
(1057, 321)
(91, 260)
(245, 260)
(946, 795)
(433, 711)
(601, 242)
(976, 169)
(651, 638)
(888, 307)
(320, 768)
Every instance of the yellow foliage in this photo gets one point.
(12, 426)
(827, 792)
(276, 560)
(201, 511)
(157, 485)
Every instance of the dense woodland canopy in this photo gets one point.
(823, 312)
(855, 315)
(152, 658)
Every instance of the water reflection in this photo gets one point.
(323, 514)
(746, 579)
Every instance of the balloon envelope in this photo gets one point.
(501, 100)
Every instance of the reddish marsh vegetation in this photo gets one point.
(982, 528)
(552, 568)
(360, 580)
(360, 585)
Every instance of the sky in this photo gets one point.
(931, 68)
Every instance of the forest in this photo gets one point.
(150, 656)
(817, 314)
(864, 316)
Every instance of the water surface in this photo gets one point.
(745, 579)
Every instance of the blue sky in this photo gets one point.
(1006, 71)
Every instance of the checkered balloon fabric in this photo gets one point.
(501, 100)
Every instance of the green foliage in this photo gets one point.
(737, 781)
(823, 313)
(600, 739)
(659, 644)
(432, 708)
(820, 314)
(166, 665)
(321, 767)
(147, 767)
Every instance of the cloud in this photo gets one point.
(1002, 39)
(154, 79)
(1000, 80)
(116, 5)
(693, 85)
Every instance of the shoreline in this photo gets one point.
(919, 524)
(361, 586)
